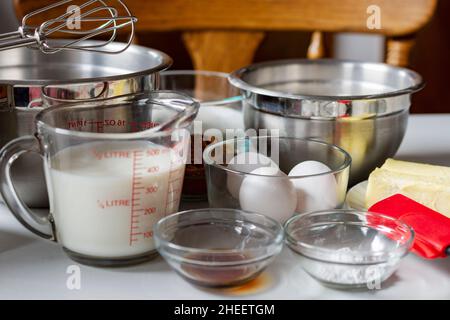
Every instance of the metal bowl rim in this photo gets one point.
(190, 72)
(166, 62)
(235, 79)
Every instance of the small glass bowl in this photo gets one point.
(229, 186)
(210, 88)
(218, 247)
(348, 249)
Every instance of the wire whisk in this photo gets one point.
(101, 18)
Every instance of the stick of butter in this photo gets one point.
(424, 183)
(440, 174)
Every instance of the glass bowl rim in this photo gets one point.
(346, 163)
(398, 252)
(208, 73)
(274, 246)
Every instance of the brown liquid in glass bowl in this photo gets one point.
(219, 276)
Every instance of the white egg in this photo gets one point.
(317, 192)
(245, 162)
(271, 194)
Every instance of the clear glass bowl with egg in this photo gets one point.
(348, 249)
(276, 176)
(218, 247)
(220, 109)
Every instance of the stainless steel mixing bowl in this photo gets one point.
(361, 107)
(25, 72)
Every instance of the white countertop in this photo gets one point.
(33, 268)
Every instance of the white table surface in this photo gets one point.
(33, 268)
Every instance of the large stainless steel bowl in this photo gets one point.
(25, 72)
(361, 107)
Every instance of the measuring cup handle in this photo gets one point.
(10, 152)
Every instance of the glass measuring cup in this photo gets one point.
(113, 167)
(220, 108)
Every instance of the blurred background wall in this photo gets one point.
(430, 57)
(8, 20)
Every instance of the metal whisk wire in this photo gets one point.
(40, 37)
(113, 11)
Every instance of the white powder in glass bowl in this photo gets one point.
(357, 274)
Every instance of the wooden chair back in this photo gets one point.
(223, 35)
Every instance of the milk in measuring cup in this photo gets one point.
(106, 197)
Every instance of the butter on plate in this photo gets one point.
(424, 183)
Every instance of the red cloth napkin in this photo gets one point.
(432, 229)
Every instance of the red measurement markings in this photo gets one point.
(135, 235)
(79, 124)
(115, 154)
(151, 189)
(114, 122)
(153, 152)
(106, 123)
(136, 185)
(76, 124)
(119, 123)
(154, 169)
(99, 125)
(143, 125)
(148, 211)
(148, 234)
(104, 204)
